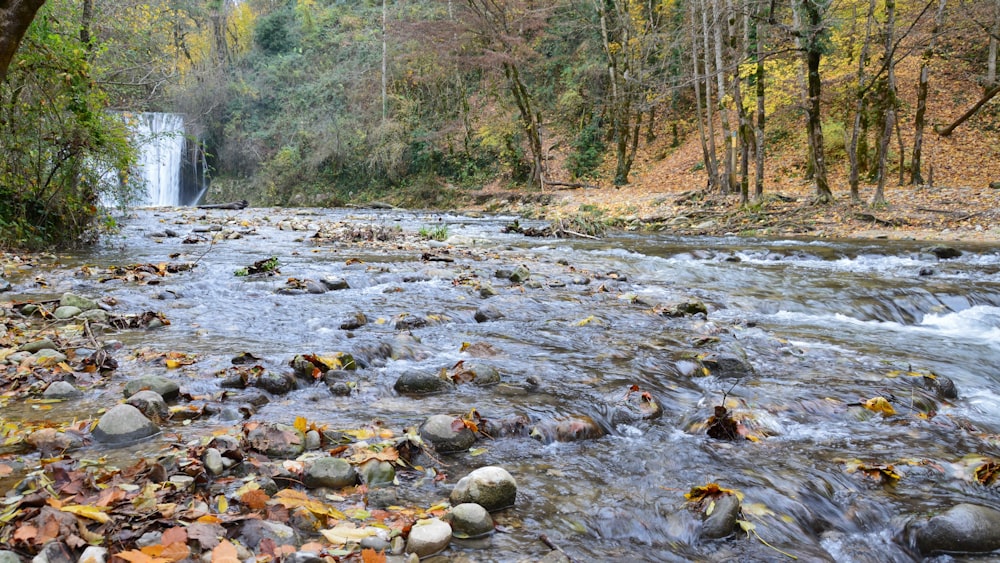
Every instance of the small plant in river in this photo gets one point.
(434, 233)
(268, 266)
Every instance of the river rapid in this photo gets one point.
(819, 327)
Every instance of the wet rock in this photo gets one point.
(313, 440)
(94, 316)
(166, 388)
(276, 440)
(447, 434)
(375, 543)
(410, 322)
(50, 441)
(483, 374)
(381, 497)
(354, 322)
(60, 390)
(567, 430)
(491, 487)
(37, 345)
(5, 286)
(66, 312)
(486, 290)
(420, 383)
(963, 528)
(470, 520)
(722, 521)
(684, 309)
(315, 287)
(941, 386)
(73, 300)
(55, 552)
(303, 557)
(213, 461)
(555, 556)
(331, 472)
(151, 404)
(275, 383)
(375, 473)
(634, 407)
(488, 313)
(18, 357)
(428, 536)
(339, 388)
(520, 274)
(93, 554)
(256, 531)
(942, 252)
(508, 426)
(335, 284)
(728, 365)
(123, 424)
(926, 271)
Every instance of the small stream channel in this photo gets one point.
(824, 324)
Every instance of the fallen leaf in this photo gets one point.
(92, 512)
(225, 552)
(879, 405)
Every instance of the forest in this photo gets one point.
(420, 102)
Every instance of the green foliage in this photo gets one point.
(835, 139)
(588, 152)
(438, 233)
(275, 33)
(64, 154)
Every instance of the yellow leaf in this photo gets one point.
(173, 364)
(347, 532)
(301, 424)
(879, 405)
(92, 512)
(223, 504)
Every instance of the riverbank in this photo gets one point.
(945, 214)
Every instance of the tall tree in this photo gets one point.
(15, 17)
(919, 120)
(815, 32)
(859, 130)
(889, 100)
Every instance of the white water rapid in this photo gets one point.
(162, 140)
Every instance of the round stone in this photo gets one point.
(491, 487)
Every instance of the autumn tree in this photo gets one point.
(814, 32)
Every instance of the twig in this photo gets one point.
(581, 235)
(549, 543)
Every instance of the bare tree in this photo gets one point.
(889, 100)
(919, 121)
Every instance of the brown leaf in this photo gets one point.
(25, 533)
(255, 499)
(225, 552)
(176, 534)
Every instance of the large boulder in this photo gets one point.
(470, 520)
(421, 383)
(123, 424)
(73, 300)
(963, 528)
(166, 388)
(276, 440)
(491, 487)
(331, 472)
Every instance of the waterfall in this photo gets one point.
(161, 138)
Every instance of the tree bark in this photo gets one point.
(727, 183)
(759, 128)
(814, 12)
(920, 122)
(971, 111)
(890, 102)
(712, 165)
(697, 94)
(860, 106)
(15, 18)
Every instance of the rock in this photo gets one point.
(18, 357)
(60, 390)
(304, 557)
(942, 386)
(315, 288)
(420, 383)
(123, 424)
(634, 407)
(276, 440)
(428, 536)
(409, 322)
(313, 440)
(375, 473)
(382, 497)
(470, 520)
(151, 404)
(275, 383)
(555, 556)
(339, 388)
(36, 345)
(727, 365)
(73, 300)
(491, 487)
(166, 388)
(66, 312)
(54, 552)
(488, 313)
(483, 374)
(94, 316)
(942, 252)
(48, 357)
(567, 430)
(722, 521)
(520, 274)
(354, 322)
(486, 290)
(963, 528)
(684, 309)
(442, 432)
(255, 531)
(375, 543)
(94, 554)
(331, 472)
(335, 284)
(213, 461)
(926, 271)
(50, 441)
(5, 286)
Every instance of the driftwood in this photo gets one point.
(573, 185)
(242, 204)
(972, 111)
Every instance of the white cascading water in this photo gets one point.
(161, 137)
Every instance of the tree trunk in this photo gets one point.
(15, 18)
(697, 95)
(385, 64)
(916, 178)
(860, 106)
(727, 183)
(759, 129)
(890, 102)
(814, 12)
(712, 165)
(529, 122)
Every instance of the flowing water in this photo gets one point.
(825, 325)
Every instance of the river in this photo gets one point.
(824, 326)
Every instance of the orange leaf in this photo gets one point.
(25, 533)
(369, 555)
(255, 499)
(225, 552)
(136, 556)
(176, 534)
